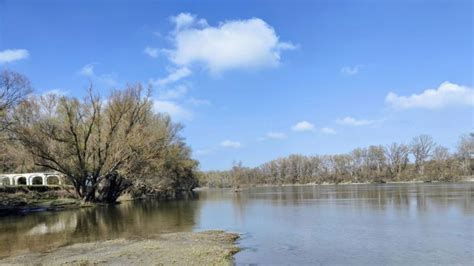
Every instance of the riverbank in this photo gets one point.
(184, 248)
(24, 199)
(464, 179)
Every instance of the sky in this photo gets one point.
(252, 81)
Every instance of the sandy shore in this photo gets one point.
(186, 248)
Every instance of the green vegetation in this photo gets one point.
(104, 146)
(421, 160)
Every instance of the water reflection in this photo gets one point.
(44, 231)
(424, 197)
(337, 224)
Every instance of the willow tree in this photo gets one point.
(14, 88)
(101, 145)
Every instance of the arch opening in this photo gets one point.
(52, 180)
(37, 180)
(21, 180)
(4, 181)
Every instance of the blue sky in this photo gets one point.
(253, 81)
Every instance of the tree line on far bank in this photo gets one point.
(421, 160)
(104, 146)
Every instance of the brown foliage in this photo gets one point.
(102, 146)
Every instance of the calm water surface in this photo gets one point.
(422, 224)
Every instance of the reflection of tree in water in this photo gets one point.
(136, 219)
(398, 197)
(44, 231)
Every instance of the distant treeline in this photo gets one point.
(421, 160)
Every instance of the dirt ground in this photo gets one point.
(185, 248)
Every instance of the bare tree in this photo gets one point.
(101, 146)
(372, 164)
(397, 157)
(237, 174)
(376, 161)
(465, 153)
(441, 162)
(14, 88)
(421, 148)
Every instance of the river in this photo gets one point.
(387, 224)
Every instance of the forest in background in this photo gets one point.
(108, 146)
(104, 146)
(420, 160)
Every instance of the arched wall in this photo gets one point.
(53, 180)
(5, 181)
(21, 180)
(37, 180)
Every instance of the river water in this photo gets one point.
(389, 224)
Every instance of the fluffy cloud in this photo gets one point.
(230, 144)
(87, 70)
(151, 52)
(276, 135)
(173, 109)
(447, 94)
(7, 56)
(303, 126)
(233, 44)
(328, 130)
(174, 76)
(350, 121)
(351, 70)
(186, 20)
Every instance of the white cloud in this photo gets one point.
(328, 130)
(87, 70)
(178, 92)
(174, 76)
(173, 109)
(350, 121)
(250, 43)
(351, 70)
(186, 20)
(447, 94)
(303, 126)
(199, 102)
(152, 52)
(276, 135)
(230, 144)
(8, 55)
